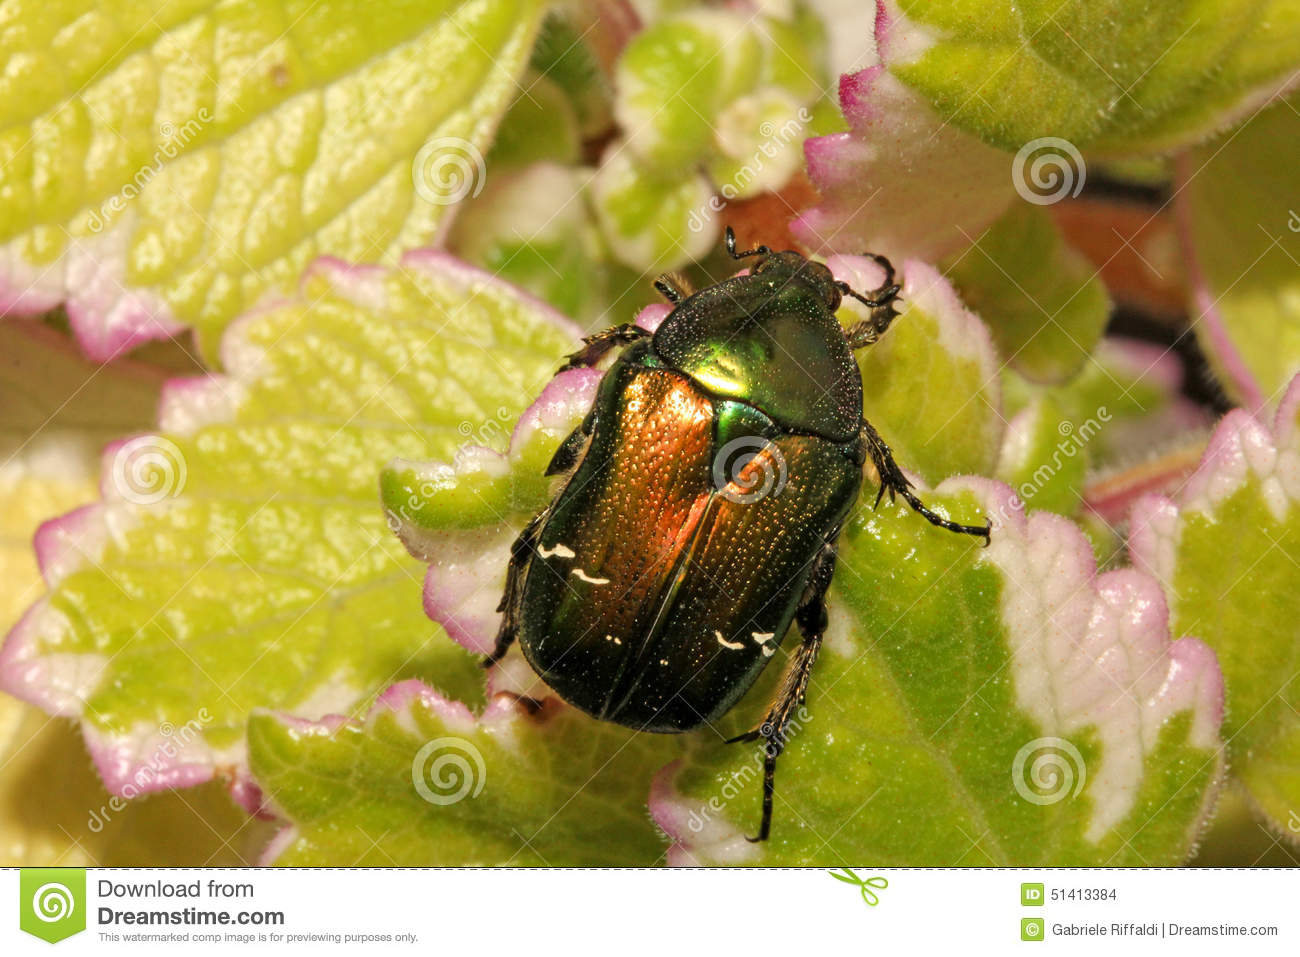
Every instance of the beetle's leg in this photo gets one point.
(775, 730)
(595, 347)
(522, 547)
(744, 254)
(882, 302)
(566, 455)
(673, 286)
(893, 480)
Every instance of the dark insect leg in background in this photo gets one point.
(811, 617)
(673, 286)
(519, 550)
(594, 348)
(893, 480)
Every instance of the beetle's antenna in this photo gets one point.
(745, 254)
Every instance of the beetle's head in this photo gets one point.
(815, 275)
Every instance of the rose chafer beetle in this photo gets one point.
(702, 499)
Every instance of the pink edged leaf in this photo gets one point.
(56, 410)
(190, 163)
(1225, 547)
(239, 558)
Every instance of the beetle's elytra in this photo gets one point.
(702, 500)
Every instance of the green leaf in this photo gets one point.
(241, 558)
(1108, 425)
(1242, 243)
(168, 169)
(1043, 460)
(1238, 837)
(1132, 392)
(423, 782)
(1226, 551)
(1044, 302)
(1114, 77)
(540, 126)
(568, 52)
(974, 706)
(675, 77)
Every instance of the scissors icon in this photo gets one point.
(865, 885)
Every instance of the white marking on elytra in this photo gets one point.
(763, 636)
(663, 661)
(617, 641)
(768, 651)
(591, 579)
(733, 645)
(564, 551)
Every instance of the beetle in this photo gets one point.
(701, 501)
